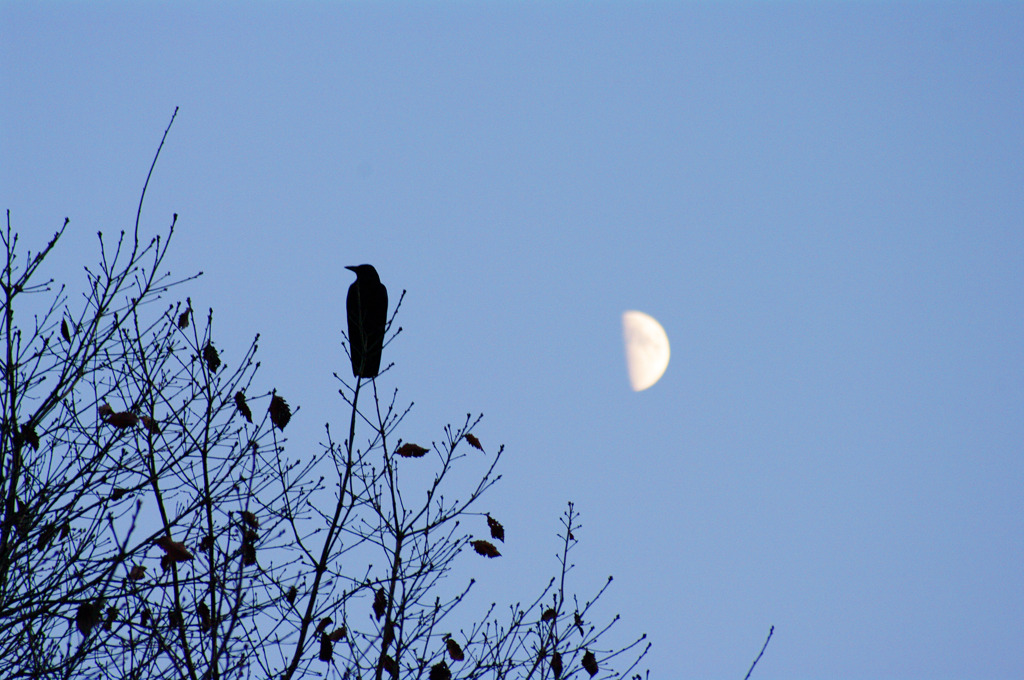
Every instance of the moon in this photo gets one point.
(647, 349)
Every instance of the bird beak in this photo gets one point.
(350, 268)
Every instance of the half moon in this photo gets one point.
(647, 349)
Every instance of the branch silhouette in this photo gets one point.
(154, 524)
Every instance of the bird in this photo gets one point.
(367, 315)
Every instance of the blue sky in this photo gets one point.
(822, 204)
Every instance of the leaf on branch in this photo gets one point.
(380, 603)
(87, 616)
(243, 408)
(122, 420)
(326, 649)
(136, 573)
(473, 441)
(64, 331)
(206, 543)
(22, 519)
(556, 665)
(118, 493)
(322, 626)
(549, 615)
(338, 634)
(454, 651)
(211, 357)
(486, 549)
(248, 554)
(388, 634)
(439, 671)
(280, 414)
(411, 450)
(204, 617)
(183, 317)
(105, 410)
(176, 552)
(292, 594)
(45, 536)
(590, 663)
(65, 530)
(497, 531)
(29, 436)
(250, 519)
(390, 666)
(111, 617)
(150, 424)
(578, 621)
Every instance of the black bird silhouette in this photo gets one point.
(367, 315)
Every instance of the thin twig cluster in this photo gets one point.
(152, 526)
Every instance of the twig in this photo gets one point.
(138, 214)
(764, 647)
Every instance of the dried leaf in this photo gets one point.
(486, 549)
(204, 617)
(411, 450)
(549, 615)
(380, 603)
(322, 626)
(150, 424)
(118, 493)
(454, 651)
(65, 530)
(183, 317)
(87, 616)
(280, 414)
(556, 665)
(64, 331)
(474, 442)
(29, 436)
(108, 624)
(211, 357)
(578, 621)
(22, 520)
(439, 671)
(122, 420)
(326, 649)
(388, 634)
(292, 594)
(176, 552)
(248, 554)
(250, 519)
(590, 663)
(105, 410)
(45, 536)
(242, 407)
(338, 634)
(137, 573)
(206, 543)
(497, 531)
